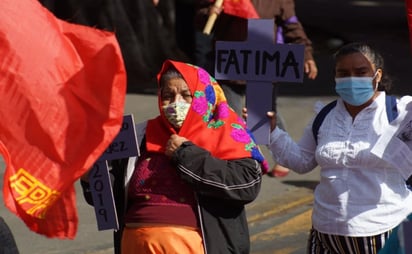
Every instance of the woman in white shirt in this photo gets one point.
(360, 198)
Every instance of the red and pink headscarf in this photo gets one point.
(210, 122)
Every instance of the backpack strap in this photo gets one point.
(319, 118)
(391, 107)
(391, 113)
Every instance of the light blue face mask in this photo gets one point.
(355, 90)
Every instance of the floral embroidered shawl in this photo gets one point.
(210, 122)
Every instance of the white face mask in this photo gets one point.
(176, 112)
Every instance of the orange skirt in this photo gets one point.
(161, 240)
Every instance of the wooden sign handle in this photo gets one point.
(212, 18)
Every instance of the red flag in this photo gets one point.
(409, 17)
(240, 8)
(62, 92)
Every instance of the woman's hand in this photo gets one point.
(272, 117)
(311, 69)
(215, 10)
(173, 143)
(270, 114)
(244, 114)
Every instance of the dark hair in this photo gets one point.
(372, 55)
(169, 74)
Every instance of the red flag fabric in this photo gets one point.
(240, 8)
(62, 93)
(409, 18)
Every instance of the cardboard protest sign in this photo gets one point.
(125, 145)
(259, 61)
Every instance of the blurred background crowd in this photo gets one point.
(149, 31)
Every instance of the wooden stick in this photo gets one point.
(212, 18)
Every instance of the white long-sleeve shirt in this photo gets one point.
(358, 194)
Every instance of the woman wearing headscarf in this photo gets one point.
(198, 168)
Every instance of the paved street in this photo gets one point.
(280, 217)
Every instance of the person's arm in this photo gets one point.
(300, 157)
(232, 180)
(293, 32)
(7, 241)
